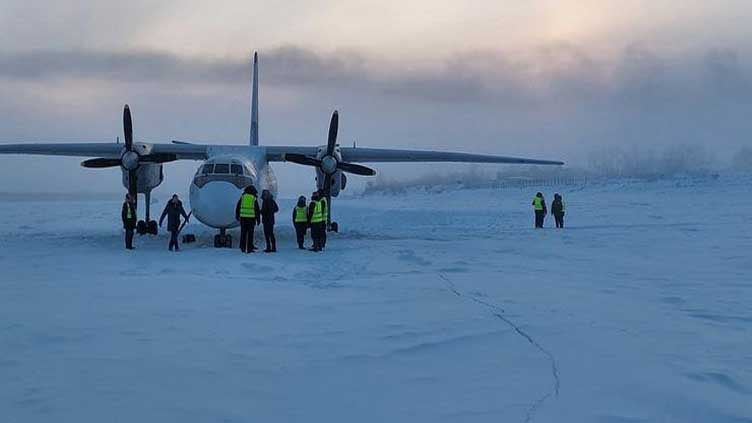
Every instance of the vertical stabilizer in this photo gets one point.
(254, 102)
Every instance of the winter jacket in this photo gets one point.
(173, 211)
(268, 209)
(557, 207)
(129, 223)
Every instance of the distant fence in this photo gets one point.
(507, 183)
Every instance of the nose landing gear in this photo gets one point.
(222, 240)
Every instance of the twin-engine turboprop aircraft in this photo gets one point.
(227, 169)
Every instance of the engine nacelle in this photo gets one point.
(338, 178)
(148, 177)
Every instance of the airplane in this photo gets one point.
(227, 169)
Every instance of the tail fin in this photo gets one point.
(254, 102)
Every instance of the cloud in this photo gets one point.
(553, 74)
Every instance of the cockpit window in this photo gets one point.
(221, 168)
(236, 169)
(207, 169)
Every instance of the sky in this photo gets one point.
(568, 79)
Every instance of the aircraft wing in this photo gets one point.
(364, 155)
(106, 150)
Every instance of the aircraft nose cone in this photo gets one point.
(214, 203)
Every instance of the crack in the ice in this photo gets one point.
(499, 314)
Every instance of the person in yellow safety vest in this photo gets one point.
(558, 207)
(300, 221)
(325, 206)
(129, 220)
(247, 212)
(316, 217)
(539, 206)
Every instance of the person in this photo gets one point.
(173, 210)
(316, 217)
(129, 220)
(300, 221)
(268, 209)
(325, 209)
(248, 213)
(557, 210)
(539, 206)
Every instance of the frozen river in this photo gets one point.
(429, 307)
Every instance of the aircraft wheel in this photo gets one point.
(334, 227)
(141, 228)
(222, 241)
(152, 227)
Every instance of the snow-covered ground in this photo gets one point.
(429, 307)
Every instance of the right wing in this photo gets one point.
(363, 155)
(382, 155)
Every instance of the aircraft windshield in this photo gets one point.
(236, 169)
(221, 168)
(208, 168)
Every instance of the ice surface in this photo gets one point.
(429, 307)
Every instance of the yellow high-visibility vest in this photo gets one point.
(248, 206)
(325, 205)
(538, 203)
(301, 214)
(129, 212)
(318, 212)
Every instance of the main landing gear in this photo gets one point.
(223, 239)
(148, 226)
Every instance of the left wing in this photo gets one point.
(106, 150)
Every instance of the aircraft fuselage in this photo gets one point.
(220, 180)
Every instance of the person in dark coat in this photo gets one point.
(539, 206)
(173, 210)
(557, 210)
(300, 221)
(128, 215)
(268, 209)
(247, 212)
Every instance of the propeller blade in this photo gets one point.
(302, 160)
(128, 128)
(328, 193)
(100, 163)
(356, 169)
(158, 158)
(333, 128)
(133, 184)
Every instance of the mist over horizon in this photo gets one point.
(585, 85)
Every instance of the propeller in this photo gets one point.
(329, 164)
(129, 159)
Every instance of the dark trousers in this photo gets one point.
(129, 238)
(271, 241)
(316, 235)
(174, 240)
(323, 235)
(540, 215)
(300, 231)
(559, 217)
(247, 228)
